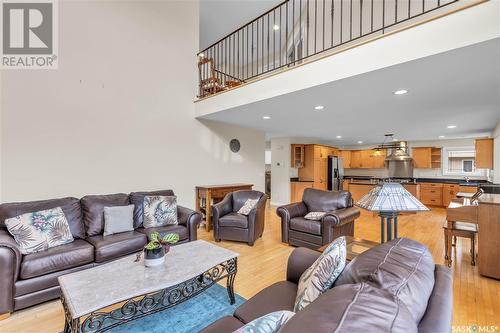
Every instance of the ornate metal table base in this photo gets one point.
(145, 305)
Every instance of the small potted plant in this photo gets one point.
(157, 247)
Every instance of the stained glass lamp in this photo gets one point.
(389, 199)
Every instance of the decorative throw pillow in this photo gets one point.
(159, 211)
(118, 219)
(39, 231)
(322, 274)
(248, 206)
(315, 216)
(269, 323)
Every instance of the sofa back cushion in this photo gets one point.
(240, 197)
(353, 308)
(403, 267)
(70, 207)
(93, 210)
(137, 199)
(326, 201)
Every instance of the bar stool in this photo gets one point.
(460, 229)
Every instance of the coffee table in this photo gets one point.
(138, 291)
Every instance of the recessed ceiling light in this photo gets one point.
(319, 107)
(339, 136)
(452, 126)
(266, 117)
(360, 142)
(400, 92)
(441, 136)
(276, 27)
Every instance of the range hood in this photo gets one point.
(399, 163)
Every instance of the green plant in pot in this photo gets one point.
(157, 247)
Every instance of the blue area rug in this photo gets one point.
(190, 316)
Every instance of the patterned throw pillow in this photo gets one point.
(315, 216)
(159, 211)
(248, 206)
(322, 274)
(269, 323)
(39, 231)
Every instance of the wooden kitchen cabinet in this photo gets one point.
(426, 157)
(359, 190)
(378, 158)
(467, 189)
(346, 156)
(431, 194)
(484, 153)
(298, 156)
(297, 190)
(316, 165)
(449, 193)
(366, 159)
(355, 159)
(414, 189)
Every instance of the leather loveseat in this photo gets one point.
(30, 279)
(338, 221)
(394, 287)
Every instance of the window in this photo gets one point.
(460, 161)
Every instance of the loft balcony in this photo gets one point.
(298, 31)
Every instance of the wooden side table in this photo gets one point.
(355, 246)
(214, 193)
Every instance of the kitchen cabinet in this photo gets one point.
(355, 159)
(449, 193)
(484, 153)
(346, 156)
(431, 194)
(467, 189)
(359, 190)
(297, 190)
(316, 165)
(426, 157)
(414, 189)
(366, 159)
(297, 155)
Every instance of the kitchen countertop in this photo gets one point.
(367, 180)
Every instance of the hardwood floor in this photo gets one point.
(476, 299)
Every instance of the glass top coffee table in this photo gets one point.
(138, 291)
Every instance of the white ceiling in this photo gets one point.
(459, 87)
(221, 17)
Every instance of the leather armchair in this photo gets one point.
(338, 221)
(10, 261)
(190, 219)
(229, 225)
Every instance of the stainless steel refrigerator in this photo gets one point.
(335, 173)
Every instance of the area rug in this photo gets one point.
(191, 316)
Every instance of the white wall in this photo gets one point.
(496, 154)
(281, 171)
(118, 114)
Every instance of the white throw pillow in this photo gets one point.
(322, 274)
(248, 206)
(159, 211)
(39, 231)
(269, 323)
(118, 219)
(315, 216)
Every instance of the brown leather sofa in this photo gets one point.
(30, 279)
(229, 225)
(394, 287)
(339, 220)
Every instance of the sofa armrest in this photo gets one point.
(438, 315)
(10, 261)
(299, 260)
(223, 207)
(190, 219)
(340, 216)
(292, 210)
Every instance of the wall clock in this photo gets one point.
(234, 145)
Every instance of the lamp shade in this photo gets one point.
(390, 197)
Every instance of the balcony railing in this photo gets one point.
(298, 30)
